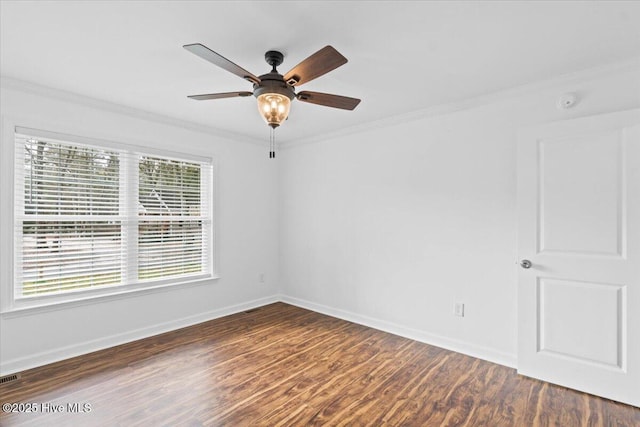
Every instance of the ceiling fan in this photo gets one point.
(275, 91)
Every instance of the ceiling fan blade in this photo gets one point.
(318, 64)
(328, 100)
(219, 95)
(207, 54)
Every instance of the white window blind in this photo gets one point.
(94, 216)
(172, 229)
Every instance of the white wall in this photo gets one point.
(390, 226)
(387, 226)
(247, 241)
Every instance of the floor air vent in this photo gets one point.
(9, 378)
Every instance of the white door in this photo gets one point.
(579, 236)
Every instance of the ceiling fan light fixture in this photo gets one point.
(274, 108)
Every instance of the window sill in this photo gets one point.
(42, 307)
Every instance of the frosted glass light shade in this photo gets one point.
(274, 108)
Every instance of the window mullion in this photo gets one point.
(129, 213)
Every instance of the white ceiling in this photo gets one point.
(403, 56)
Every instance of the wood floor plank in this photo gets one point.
(281, 365)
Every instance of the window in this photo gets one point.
(97, 217)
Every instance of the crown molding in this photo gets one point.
(555, 83)
(49, 92)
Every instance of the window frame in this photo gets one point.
(11, 304)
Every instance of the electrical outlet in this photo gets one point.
(458, 309)
(261, 277)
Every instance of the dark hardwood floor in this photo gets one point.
(284, 366)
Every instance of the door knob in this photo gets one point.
(525, 263)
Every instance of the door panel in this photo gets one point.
(581, 336)
(579, 225)
(580, 208)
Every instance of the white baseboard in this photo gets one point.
(479, 352)
(62, 353)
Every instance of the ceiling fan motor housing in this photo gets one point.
(273, 83)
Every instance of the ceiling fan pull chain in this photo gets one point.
(272, 137)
